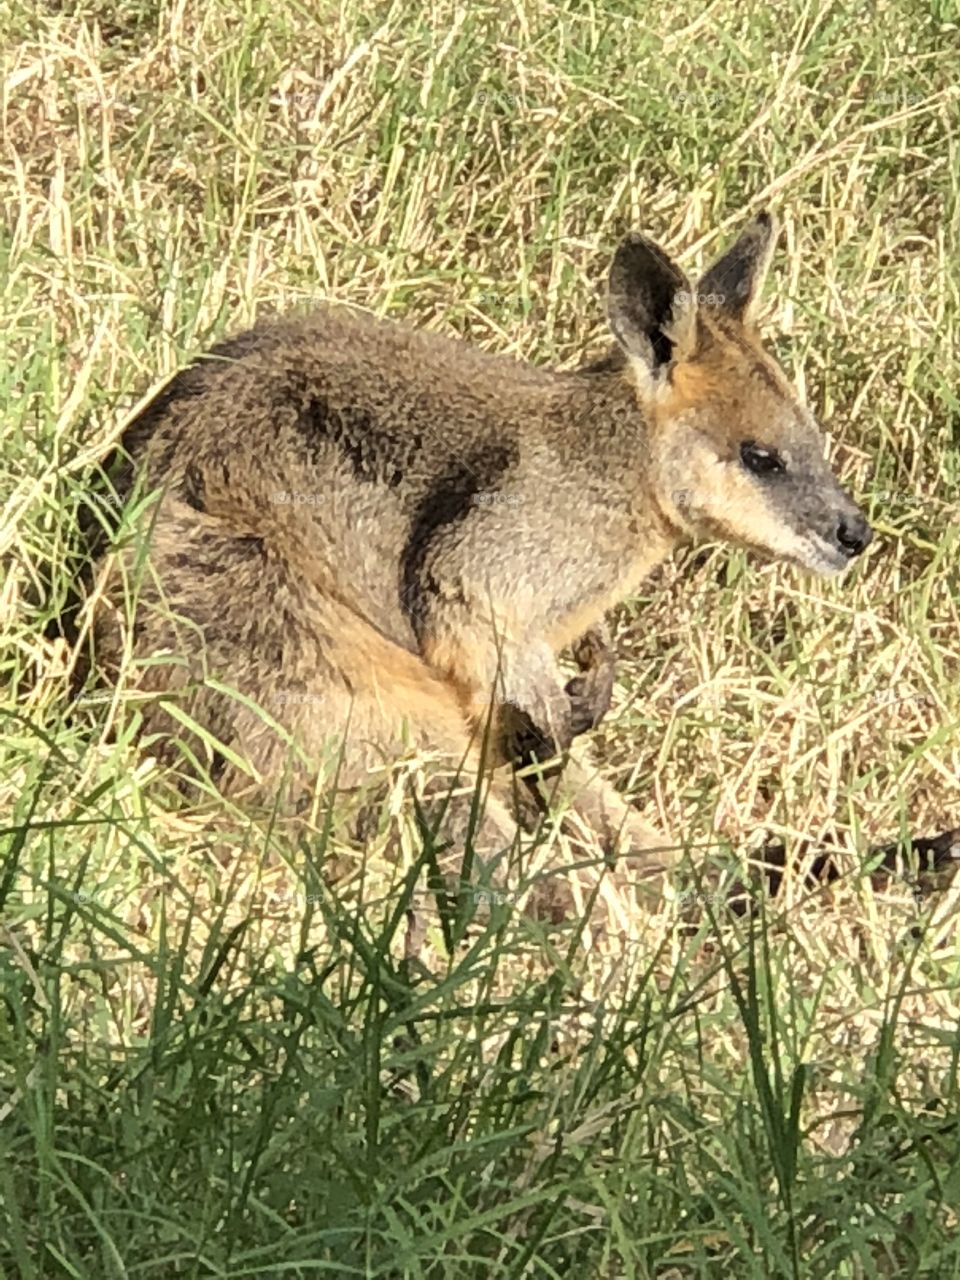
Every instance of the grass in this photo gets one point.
(213, 1062)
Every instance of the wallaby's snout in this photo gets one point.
(782, 497)
(734, 453)
(823, 529)
(854, 534)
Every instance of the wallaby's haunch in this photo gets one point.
(377, 534)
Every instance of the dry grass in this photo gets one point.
(169, 172)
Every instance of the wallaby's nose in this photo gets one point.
(854, 534)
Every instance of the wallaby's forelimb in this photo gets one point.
(591, 692)
(589, 695)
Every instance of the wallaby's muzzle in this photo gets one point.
(854, 535)
(832, 534)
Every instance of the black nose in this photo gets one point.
(854, 534)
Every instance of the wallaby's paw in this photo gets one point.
(590, 895)
(591, 692)
(538, 733)
(936, 855)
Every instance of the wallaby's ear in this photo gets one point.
(733, 283)
(650, 304)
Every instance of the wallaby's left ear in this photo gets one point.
(733, 283)
(650, 304)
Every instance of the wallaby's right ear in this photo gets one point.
(651, 307)
(733, 283)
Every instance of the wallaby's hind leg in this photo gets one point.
(641, 856)
(279, 670)
(298, 688)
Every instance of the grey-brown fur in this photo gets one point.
(457, 518)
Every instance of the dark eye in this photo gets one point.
(761, 461)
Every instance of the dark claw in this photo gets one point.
(528, 743)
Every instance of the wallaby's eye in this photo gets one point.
(761, 461)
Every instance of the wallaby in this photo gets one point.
(384, 537)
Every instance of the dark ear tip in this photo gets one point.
(767, 223)
(633, 240)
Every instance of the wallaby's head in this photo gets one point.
(733, 452)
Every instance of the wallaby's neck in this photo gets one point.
(597, 427)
